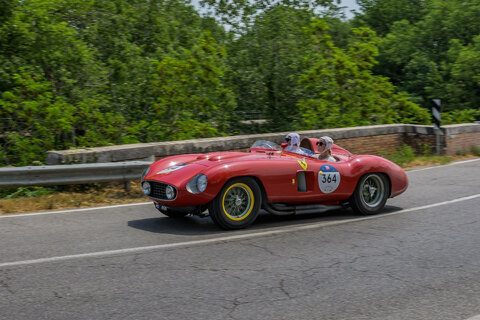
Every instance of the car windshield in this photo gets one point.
(273, 146)
(306, 152)
(266, 144)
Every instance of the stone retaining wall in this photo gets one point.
(358, 140)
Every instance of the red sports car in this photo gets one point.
(233, 186)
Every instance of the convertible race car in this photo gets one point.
(234, 186)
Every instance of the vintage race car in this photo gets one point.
(234, 186)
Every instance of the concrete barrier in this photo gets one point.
(359, 140)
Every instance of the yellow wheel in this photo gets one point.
(237, 204)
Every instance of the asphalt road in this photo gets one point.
(418, 260)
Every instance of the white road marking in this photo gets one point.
(226, 238)
(474, 318)
(17, 215)
(445, 165)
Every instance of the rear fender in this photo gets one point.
(397, 177)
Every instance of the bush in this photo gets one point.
(401, 156)
(460, 116)
(476, 150)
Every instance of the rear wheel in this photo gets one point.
(371, 194)
(237, 204)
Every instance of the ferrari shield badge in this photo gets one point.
(303, 164)
(328, 179)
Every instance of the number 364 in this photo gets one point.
(328, 178)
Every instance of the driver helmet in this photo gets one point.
(293, 139)
(328, 142)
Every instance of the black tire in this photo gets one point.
(371, 194)
(237, 204)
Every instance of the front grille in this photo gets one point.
(158, 190)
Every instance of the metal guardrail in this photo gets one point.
(71, 174)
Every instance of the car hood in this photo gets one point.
(219, 158)
(179, 170)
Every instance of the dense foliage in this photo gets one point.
(90, 73)
(430, 49)
(340, 89)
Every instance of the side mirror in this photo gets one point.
(284, 145)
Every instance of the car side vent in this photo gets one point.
(305, 181)
(301, 182)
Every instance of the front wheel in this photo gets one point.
(237, 204)
(371, 194)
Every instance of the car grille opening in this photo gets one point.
(158, 190)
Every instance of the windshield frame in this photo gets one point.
(265, 144)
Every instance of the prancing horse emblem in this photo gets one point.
(303, 164)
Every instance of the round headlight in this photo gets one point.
(146, 188)
(170, 192)
(198, 184)
(201, 182)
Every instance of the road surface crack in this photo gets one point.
(4, 284)
(262, 248)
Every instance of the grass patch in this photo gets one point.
(424, 161)
(406, 157)
(41, 199)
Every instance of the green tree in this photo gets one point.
(6, 7)
(240, 15)
(34, 121)
(193, 100)
(46, 42)
(426, 57)
(379, 15)
(98, 60)
(131, 36)
(340, 89)
(265, 64)
(464, 85)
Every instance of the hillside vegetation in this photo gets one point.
(88, 73)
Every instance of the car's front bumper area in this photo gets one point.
(158, 190)
(196, 210)
(182, 197)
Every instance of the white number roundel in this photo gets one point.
(328, 179)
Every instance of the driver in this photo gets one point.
(293, 139)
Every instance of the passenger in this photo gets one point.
(325, 149)
(293, 140)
